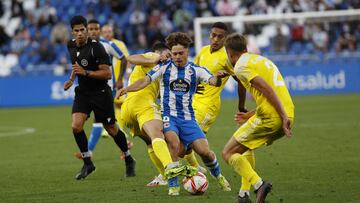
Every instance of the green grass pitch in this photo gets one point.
(321, 163)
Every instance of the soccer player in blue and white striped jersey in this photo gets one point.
(178, 81)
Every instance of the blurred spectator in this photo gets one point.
(297, 32)
(59, 34)
(346, 41)
(259, 7)
(320, 39)
(43, 14)
(226, 8)
(17, 8)
(46, 52)
(203, 9)
(182, 20)
(119, 6)
(20, 41)
(279, 42)
(4, 37)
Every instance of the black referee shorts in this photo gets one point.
(100, 101)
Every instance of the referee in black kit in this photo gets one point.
(90, 63)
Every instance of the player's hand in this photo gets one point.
(120, 93)
(286, 126)
(200, 89)
(68, 84)
(221, 74)
(241, 117)
(78, 69)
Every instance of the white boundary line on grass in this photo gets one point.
(7, 131)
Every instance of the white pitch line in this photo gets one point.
(17, 131)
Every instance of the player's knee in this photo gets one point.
(112, 130)
(76, 128)
(207, 154)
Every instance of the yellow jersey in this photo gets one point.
(249, 66)
(116, 62)
(213, 61)
(150, 92)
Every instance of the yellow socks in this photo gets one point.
(242, 166)
(162, 151)
(191, 159)
(250, 156)
(157, 163)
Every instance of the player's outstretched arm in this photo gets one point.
(260, 84)
(216, 80)
(136, 86)
(139, 59)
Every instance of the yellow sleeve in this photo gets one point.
(246, 74)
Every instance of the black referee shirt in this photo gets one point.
(89, 56)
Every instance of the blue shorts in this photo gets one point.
(187, 130)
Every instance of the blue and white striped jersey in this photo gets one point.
(113, 51)
(177, 87)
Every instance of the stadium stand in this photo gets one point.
(33, 34)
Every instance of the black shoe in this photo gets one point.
(85, 171)
(130, 168)
(245, 199)
(262, 192)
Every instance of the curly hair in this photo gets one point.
(178, 38)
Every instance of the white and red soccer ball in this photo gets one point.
(196, 184)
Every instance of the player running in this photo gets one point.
(271, 120)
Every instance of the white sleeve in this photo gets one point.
(156, 72)
(115, 51)
(203, 74)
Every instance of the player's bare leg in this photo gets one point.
(201, 147)
(233, 155)
(78, 121)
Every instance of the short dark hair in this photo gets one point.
(159, 46)
(77, 20)
(93, 21)
(178, 38)
(220, 25)
(236, 42)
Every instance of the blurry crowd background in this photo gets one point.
(34, 33)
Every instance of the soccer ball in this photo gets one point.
(197, 184)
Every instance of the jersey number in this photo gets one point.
(271, 65)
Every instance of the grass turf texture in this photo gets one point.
(319, 164)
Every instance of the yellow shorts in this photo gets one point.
(259, 131)
(205, 115)
(135, 112)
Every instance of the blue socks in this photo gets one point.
(173, 182)
(214, 167)
(95, 135)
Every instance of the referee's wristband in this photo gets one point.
(71, 80)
